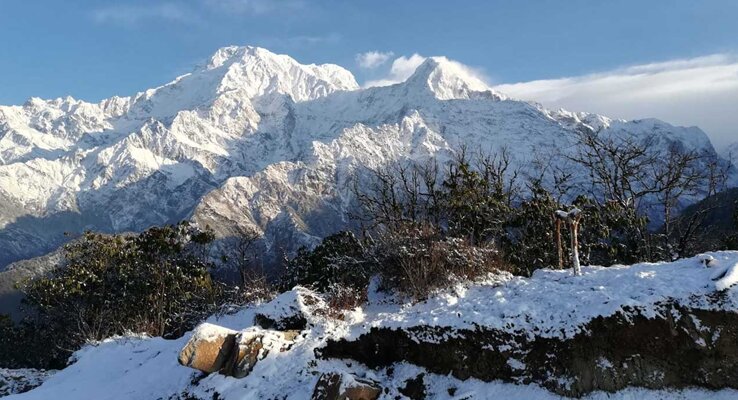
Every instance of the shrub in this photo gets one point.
(340, 298)
(25, 345)
(418, 260)
(530, 242)
(338, 260)
(156, 282)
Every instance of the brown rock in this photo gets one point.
(213, 348)
(362, 390)
(209, 348)
(330, 384)
(290, 336)
(250, 347)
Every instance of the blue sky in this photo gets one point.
(95, 49)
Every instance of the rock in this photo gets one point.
(681, 347)
(209, 348)
(336, 386)
(414, 388)
(328, 387)
(709, 261)
(249, 350)
(214, 348)
(290, 336)
(292, 322)
(291, 310)
(361, 390)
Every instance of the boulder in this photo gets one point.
(209, 348)
(213, 348)
(248, 350)
(336, 386)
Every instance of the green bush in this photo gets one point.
(340, 259)
(25, 345)
(157, 282)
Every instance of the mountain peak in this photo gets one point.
(234, 54)
(448, 79)
(246, 72)
(258, 70)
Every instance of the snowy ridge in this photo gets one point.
(554, 303)
(138, 367)
(252, 139)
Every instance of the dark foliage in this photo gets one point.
(156, 282)
(339, 259)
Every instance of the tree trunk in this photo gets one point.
(559, 245)
(575, 247)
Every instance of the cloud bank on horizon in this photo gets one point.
(701, 91)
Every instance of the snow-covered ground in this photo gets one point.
(551, 304)
(21, 380)
(554, 303)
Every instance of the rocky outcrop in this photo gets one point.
(337, 386)
(213, 348)
(291, 310)
(208, 349)
(679, 347)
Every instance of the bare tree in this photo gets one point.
(618, 166)
(684, 231)
(640, 176)
(398, 194)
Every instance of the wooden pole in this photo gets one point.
(559, 245)
(575, 245)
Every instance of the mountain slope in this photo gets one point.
(731, 153)
(251, 139)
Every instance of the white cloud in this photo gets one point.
(134, 14)
(372, 59)
(700, 91)
(402, 68)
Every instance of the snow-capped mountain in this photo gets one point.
(253, 139)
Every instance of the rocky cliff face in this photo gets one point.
(252, 139)
(680, 348)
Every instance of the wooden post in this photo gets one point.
(559, 218)
(559, 246)
(575, 248)
(574, 217)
